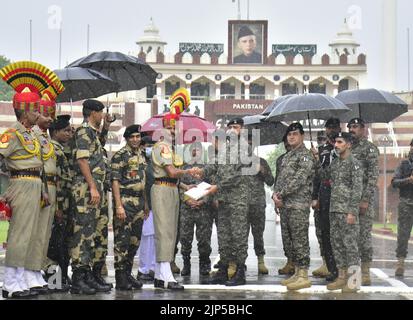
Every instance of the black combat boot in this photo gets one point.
(221, 276)
(122, 282)
(239, 278)
(186, 270)
(136, 283)
(204, 266)
(332, 276)
(90, 279)
(97, 274)
(79, 286)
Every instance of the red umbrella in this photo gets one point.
(191, 124)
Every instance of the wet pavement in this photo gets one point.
(384, 285)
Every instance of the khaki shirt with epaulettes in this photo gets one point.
(162, 156)
(21, 148)
(48, 151)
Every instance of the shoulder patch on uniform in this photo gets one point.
(165, 152)
(5, 139)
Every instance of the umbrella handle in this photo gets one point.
(113, 116)
(309, 126)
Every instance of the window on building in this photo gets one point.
(343, 85)
(317, 88)
(199, 90)
(289, 88)
(227, 90)
(150, 92)
(257, 91)
(171, 87)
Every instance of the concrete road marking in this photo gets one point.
(393, 282)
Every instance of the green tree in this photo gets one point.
(273, 156)
(6, 92)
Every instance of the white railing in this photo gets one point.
(396, 149)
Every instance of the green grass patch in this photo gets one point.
(4, 227)
(391, 226)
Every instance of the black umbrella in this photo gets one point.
(371, 105)
(129, 72)
(306, 106)
(270, 132)
(82, 83)
(275, 103)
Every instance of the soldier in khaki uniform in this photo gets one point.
(128, 184)
(21, 152)
(165, 194)
(346, 178)
(44, 226)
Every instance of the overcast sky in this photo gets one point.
(117, 25)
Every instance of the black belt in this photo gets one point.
(34, 173)
(132, 193)
(327, 183)
(166, 179)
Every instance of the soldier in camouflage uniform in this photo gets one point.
(403, 179)
(58, 251)
(101, 237)
(293, 192)
(128, 184)
(256, 212)
(368, 156)
(88, 193)
(289, 267)
(232, 190)
(346, 178)
(195, 213)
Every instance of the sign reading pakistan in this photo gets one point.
(294, 49)
(210, 48)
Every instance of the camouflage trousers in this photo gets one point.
(233, 230)
(344, 240)
(296, 225)
(365, 240)
(201, 219)
(285, 235)
(86, 218)
(256, 220)
(101, 234)
(404, 227)
(127, 233)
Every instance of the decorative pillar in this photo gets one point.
(247, 92)
(159, 90)
(218, 91)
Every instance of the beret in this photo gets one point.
(61, 122)
(356, 121)
(135, 128)
(236, 121)
(332, 122)
(93, 105)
